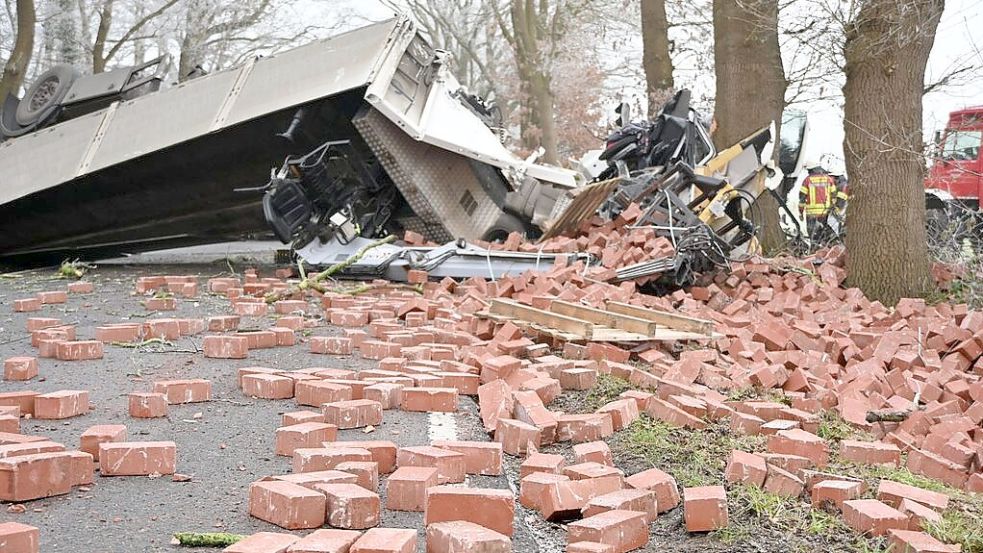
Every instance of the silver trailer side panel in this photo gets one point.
(138, 127)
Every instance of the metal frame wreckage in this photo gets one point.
(378, 138)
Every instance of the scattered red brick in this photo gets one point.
(137, 458)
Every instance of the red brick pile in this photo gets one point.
(791, 331)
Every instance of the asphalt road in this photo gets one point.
(224, 444)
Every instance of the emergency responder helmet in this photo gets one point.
(812, 164)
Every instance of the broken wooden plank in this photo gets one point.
(583, 329)
(669, 320)
(606, 318)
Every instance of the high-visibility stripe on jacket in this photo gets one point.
(817, 195)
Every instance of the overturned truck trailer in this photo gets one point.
(180, 166)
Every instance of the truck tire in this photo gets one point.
(45, 93)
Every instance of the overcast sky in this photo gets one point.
(959, 40)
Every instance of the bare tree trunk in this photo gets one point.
(20, 57)
(887, 48)
(655, 53)
(750, 87)
(538, 124)
(102, 35)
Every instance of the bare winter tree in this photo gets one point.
(887, 48)
(104, 47)
(15, 68)
(656, 56)
(750, 85)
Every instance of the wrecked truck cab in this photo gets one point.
(169, 168)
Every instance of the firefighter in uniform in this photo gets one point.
(817, 197)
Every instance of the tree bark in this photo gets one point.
(529, 22)
(20, 56)
(655, 54)
(750, 88)
(102, 35)
(887, 48)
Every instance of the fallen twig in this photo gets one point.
(143, 343)
(314, 282)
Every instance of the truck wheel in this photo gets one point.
(47, 91)
(506, 223)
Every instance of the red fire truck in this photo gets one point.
(955, 181)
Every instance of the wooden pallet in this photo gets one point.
(574, 322)
(586, 201)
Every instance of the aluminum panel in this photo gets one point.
(45, 158)
(156, 121)
(316, 70)
(439, 185)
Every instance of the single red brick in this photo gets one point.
(801, 443)
(589, 547)
(491, 508)
(54, 296)
(287, 505)
(783, 483)
(334, 345)
(835, 492)
(267, 386)
(664, 486)
(19, 538)
(449, 464)
(366, 473)
(160, 304)
(870, 453)
(95, 435)
(578, 379)
(870, 516)
(223, 323)
(746, 468)
(919, 516)
(356, 413)
(317, 392)
(263, 542)
(61, 405)
(583, 428)
(184, 391)
(259, 339)
(27, 477)
(515, 436)
(596, 452)
(326, 541)
(310, 479)
(38, 323)
(79, 351)
(226, 347)
(386, 540)
(406, 489)
(907, 541)
(460, 536)
(705, 508)
(137, 458)
(27, 305)
(388, 394)
(623, 412)
(625, 530)
(250, 309)
(482, 458)
(20, 368)
(565, 499)
(429, 400)
(298, 417)
(642, 501)
(351, 506)
(892, 493)
(382, 452)
(318, 459)
(304, 435)
(145, 405)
